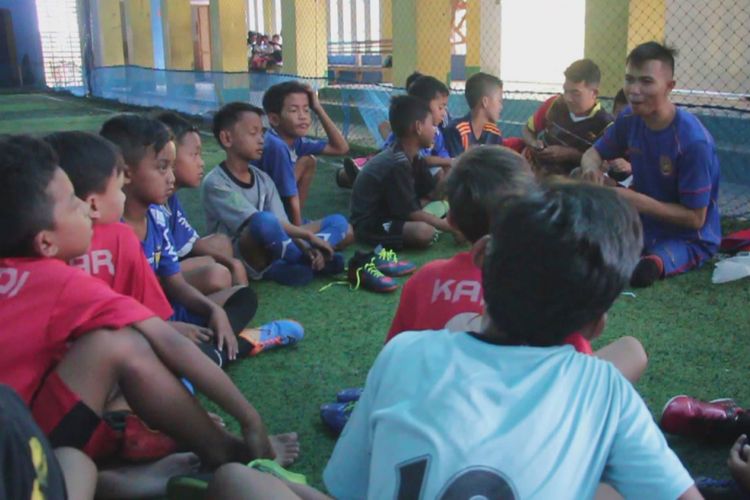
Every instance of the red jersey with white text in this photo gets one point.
(115, 257)
(447, 294)
(44, 305)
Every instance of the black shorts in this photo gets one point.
(27, 461)
(386, 232)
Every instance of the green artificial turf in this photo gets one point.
(694, 332)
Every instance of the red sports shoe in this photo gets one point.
(140, 443)
(716, 420)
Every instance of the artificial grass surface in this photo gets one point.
(694, 332)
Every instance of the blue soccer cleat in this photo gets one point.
(349, 394)
(389, 264)
(275, 334)
(364, 273)
(334, 266)
(336, 415)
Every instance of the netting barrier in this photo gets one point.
(712, 71)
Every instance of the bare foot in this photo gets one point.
(286, 448)
(149, 480)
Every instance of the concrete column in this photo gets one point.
(269, 13)
(473, 36)
(177, 28)
(139, 32)
(606, 41)
(228, 35)
(304, 30)
(646, 21)
(490, 35)
(386, 19)
(107, 33)
(421, 38)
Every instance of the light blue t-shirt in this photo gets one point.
(446, 412)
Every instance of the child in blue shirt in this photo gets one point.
(207, 263)
(675, 169)
(484, 95)
(288, 156)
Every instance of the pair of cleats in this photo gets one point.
(375, 270)
(300, 274)
(718, 420)
(336, 415)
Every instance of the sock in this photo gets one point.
(333, 229)
(266, 229)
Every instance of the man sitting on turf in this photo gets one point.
(519, 414)
(242, 202)
(484, 95)
(386, 195)
(675, 169)
(287, 153)
(566, 125)
(201, 259)
(447, 294)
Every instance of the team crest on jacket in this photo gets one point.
(665, 166)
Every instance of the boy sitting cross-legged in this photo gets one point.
(71, 341)
(520, 414)
(242, 202)
(149, 153)
(287, 153)
(201, 258)
(447, 294)
(386, 195)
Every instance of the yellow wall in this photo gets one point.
(268, 17)
(474, 33)
(304, 29)
(228, 35)
(386, 19)
(646, 21)
(178, 34)
(140, 37)
(606, 39)
(109, 34)
(421, 38)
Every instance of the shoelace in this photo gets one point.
(369, 267)
(388, 255)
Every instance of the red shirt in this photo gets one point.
(45, 304)
(115, 256)
(448, 294)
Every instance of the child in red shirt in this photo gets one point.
(69, 339)
(447, 294)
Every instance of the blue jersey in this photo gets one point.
(437, 148)
(677, 164)
(158, 245)
(183, 234)
(279, 158)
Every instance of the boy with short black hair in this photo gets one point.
(71, 340)
(565, 125)
(386, 196)
(484, 95)
(288, 156)
(556, 263)
(447, 294)
(242, 202)
(675, 168)
(199, 257)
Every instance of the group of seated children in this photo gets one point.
(506, 321)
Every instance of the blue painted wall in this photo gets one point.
(28, 42)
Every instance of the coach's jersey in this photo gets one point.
(158, 245)
(115, 256)
(453, 416)
(675, 165)
(183, 234)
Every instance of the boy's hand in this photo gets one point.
(219, 323)
(322, 245)
(312, 96)
(740, 468)
(555, 154)
(197, 334)
(317, 260)
(239, 273)
(620, 165)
